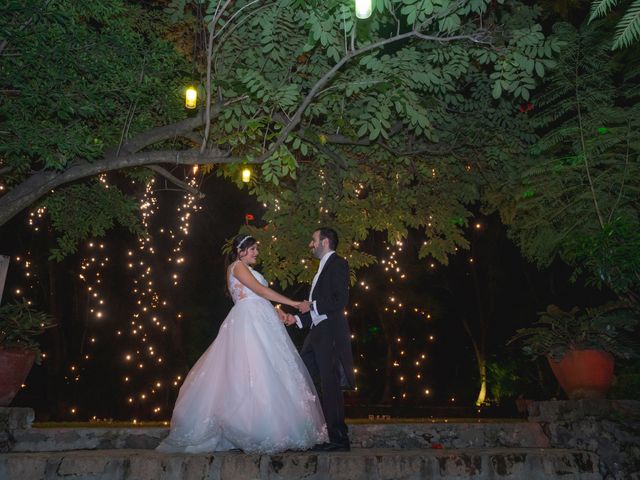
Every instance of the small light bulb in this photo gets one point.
(364, 8)
(191, 97)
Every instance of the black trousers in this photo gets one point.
(321, 359)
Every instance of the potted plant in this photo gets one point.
(19, 324)
(580, 345)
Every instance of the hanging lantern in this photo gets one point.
(191, 97)
(364, 8)
(246, 175)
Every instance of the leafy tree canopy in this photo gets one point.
(77, 78)
(576, 194)
(396, 138)
(387, 124)
(628, 27)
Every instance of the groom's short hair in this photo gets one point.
(331, 235)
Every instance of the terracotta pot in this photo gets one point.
(584, 373)
(15, 365)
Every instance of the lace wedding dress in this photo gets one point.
(250, 389)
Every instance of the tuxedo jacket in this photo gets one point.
(331, 295)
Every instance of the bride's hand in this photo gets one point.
(282, 315)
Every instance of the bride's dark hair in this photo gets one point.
(240, 244)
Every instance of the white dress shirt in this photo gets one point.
(316, 317)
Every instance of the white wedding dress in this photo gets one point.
(250, 389)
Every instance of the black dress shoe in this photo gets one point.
(336, 447)
(319, 447)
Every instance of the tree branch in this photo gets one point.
(340, 139)
(127, 156)
(182, 128)
(297, 116)
(155, 135)
(41, 183)
(624, 176)
(584, 152)
(176, 181)
(212, 26)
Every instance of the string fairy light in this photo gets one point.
(408, 382)
(148, 387)
(147, 379)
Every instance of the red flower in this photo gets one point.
(248, 217)
(437, 446)
(525, 107)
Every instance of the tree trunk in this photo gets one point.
(480, 346)
(481, 362)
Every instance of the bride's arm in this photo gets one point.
(242, 273)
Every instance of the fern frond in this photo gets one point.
(599, 8)
(628, 27)
(563, 107)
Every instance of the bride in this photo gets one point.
(250, 389)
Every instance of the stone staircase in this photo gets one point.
(359, 464)
(426, 450)
(432, 435)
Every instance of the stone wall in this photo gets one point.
(12, 420)
(610, 428)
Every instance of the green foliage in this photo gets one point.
(100, 59)
(399, 136)
(610, 256)
(575, 195)
(502, 379)
(607, 328)
(75, 79)
(628, 27)
(404, 136)
(19, 323)
(88, 210)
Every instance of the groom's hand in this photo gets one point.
(289, 319)
(304, 306)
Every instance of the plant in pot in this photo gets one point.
(574, 198)
(19, 324)
(580, 345)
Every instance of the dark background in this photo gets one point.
(495, 294)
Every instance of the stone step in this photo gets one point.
(13, 418)
(359, 464)
(397, 435)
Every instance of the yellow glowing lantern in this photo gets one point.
(246, 175)
(364, 8)
(191, 97)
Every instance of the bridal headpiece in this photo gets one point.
(243, 240)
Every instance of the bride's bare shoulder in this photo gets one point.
(232, 267)
(235, 266)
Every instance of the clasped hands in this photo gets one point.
(304, 306)
(289, 319)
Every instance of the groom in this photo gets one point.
(327, 349)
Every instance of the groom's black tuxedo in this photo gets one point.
(327, 349)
